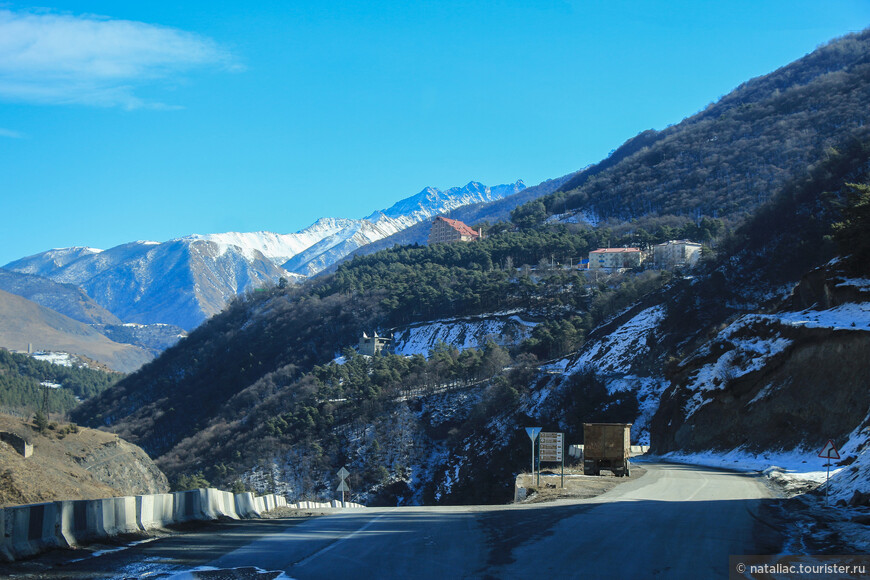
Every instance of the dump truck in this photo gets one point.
(606, 446)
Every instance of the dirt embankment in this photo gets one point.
(69, 464)
(549, 486)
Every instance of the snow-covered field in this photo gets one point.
(464, 333)
(63, 359)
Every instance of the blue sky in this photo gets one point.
(122, 122)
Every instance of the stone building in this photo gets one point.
(448, 230)
(615, 258)
(676, 254)
(372, 345)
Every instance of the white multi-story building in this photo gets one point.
(615, 258)
(676, 254)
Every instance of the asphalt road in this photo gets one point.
(674, 522)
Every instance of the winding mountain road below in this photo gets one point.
(675, 521)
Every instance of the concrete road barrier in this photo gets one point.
(31, 529)
(245, 505)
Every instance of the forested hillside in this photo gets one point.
(25, 380)
(733, 156)
(291, 329)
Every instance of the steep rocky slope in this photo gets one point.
(78, 464)
(787, 379)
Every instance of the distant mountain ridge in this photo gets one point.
(67, 299)
(24, 323)
(309, 251)
(184, 281)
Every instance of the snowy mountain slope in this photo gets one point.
(68, 299)
(180, 282)
(492, 211)
(333, 247)
(328, 240)
(505, 329)
(277, 247)
(184, 281)
(47, 263)
(432, 201)
(790, 379)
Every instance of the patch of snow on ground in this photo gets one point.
(580, 217)
(615, 352)
(63, 359)
(746, 356)
(844, 317)
(860, 283)
(856, 476)
(799, 469)
(463, 334)
(555, 367)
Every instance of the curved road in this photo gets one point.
(676, 521)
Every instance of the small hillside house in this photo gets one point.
(448, 230)
(615, 258)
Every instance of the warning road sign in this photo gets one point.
(829, 451)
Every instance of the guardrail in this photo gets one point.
(28, 530)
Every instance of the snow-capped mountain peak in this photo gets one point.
(203, 271)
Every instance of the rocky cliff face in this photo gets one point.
(786, 380)
(70, 464)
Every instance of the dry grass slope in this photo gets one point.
(86, 464)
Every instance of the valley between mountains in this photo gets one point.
(243, 346)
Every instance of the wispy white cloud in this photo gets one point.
(64, 59)
(10, 133)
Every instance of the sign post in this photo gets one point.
(829, 451)
(533, 434)
(342, 487)
(551, 448)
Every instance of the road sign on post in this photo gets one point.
(551, 448)
(342, 487)
(533, 434)
(829, 451)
